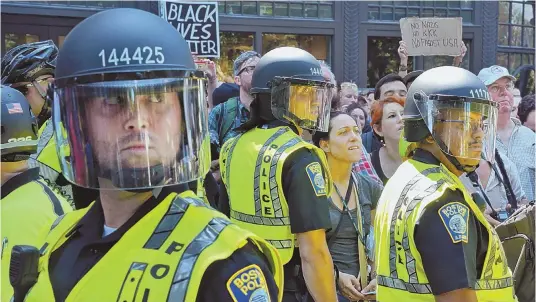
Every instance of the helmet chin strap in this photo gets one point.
(44, 114)
(46, 110)
(470, 170)
(132, 177)
(302, 125)
(452, 159)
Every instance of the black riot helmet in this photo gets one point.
(129, 106)
(292, 79)
(453, 106)
(19, 127)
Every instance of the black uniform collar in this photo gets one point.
(425, 157)
(92, 224)
(278, 123)
(19, 180)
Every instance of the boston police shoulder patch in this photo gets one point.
(248, 285)
(314, 171)
(455, 217)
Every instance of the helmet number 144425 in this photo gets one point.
(142, 55)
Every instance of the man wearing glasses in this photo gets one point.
(29, 68)
(513, 140)
(225, 117)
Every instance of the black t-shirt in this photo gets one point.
(448, 230)
(86, 247)
(376, 164)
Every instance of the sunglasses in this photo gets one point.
(247, 69)
(24, 87)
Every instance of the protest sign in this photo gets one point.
(432, 36)
(197, 22)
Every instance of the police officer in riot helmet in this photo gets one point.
(19, 128)
(29, 68)
(129, 120)
(432, 239)
(28, 204)
(276, 184)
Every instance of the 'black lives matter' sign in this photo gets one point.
(197, 22)
(432, 36)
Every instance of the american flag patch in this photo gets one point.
(14, 108)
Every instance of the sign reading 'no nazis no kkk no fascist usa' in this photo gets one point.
(432, 36)
(197, 22)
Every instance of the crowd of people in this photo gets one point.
(126, 179)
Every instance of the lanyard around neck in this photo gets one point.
(361, 246)
(345, 202)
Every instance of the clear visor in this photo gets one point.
(465, 126)
(134, 134)
(303, 103)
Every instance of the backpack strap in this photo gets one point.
(506, 181)
(228, 117)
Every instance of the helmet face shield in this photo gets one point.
(304, 103)
(137, 134)
(466, 126)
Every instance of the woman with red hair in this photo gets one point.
(387, 125)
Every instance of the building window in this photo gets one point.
(96, 4)
(382, 54)
(516, 24)
(281, 9)
(12, 40)
(436, 61)
(513, 60)
(318, 46)
(232, 44)
(285, 9)
(395, 10)
(515, 34)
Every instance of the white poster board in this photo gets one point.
(432, 36)
(197, 22)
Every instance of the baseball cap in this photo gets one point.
(243, 58)
(491, 74)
